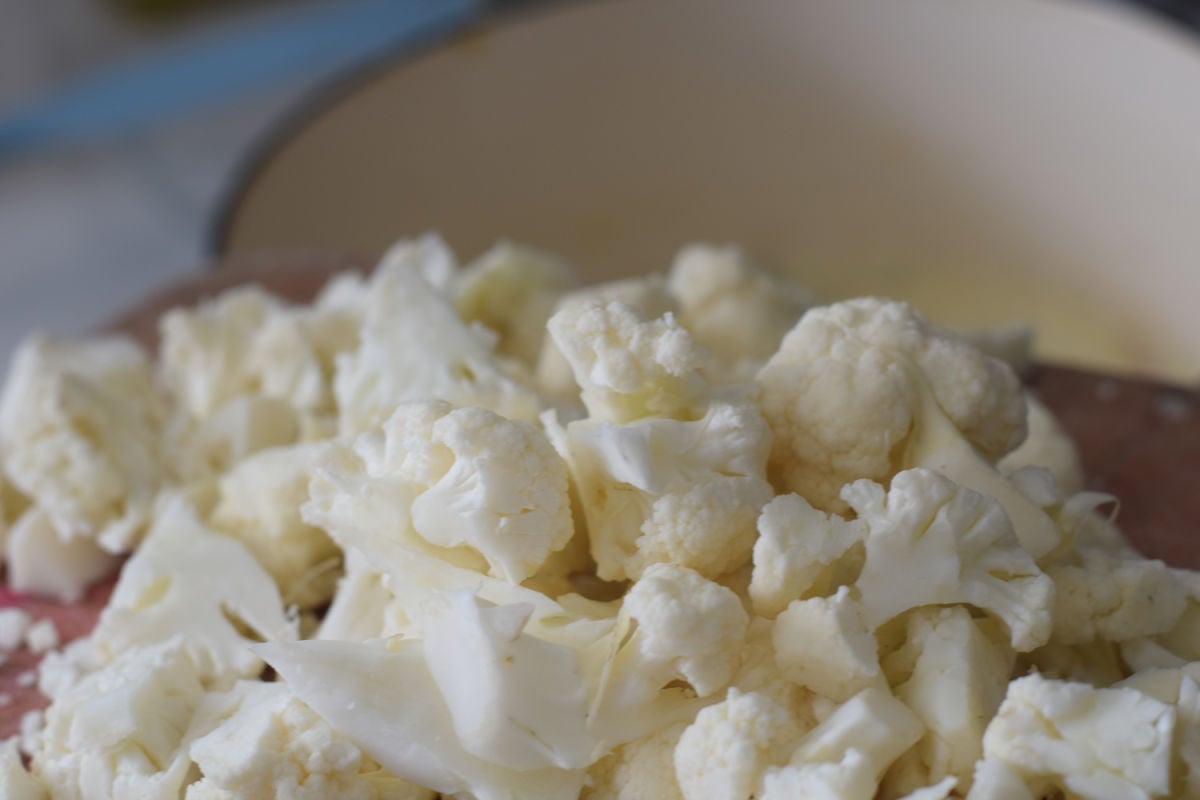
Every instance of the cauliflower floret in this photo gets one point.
(363, 607)
(16, 783)
(867, 388)
(802, 552)
(686, 488)
(842, 395)
(243, 426)
(629, 367)
(260, 741)
(259, 504)
(248, 343)
(851, 778)
(759, 673)
(720, 290)
(931, 541)
(1114, 599)
(690, 627)
(118, 732)
(646, 294)
(79, 433)
(639, 770)
(486, 492)
(956, 681)
(1094, 743)
(171, 587)
(872, 722)
(722, 755)
(1048, 446)
(414, 347)
(41, 562)
(513, 290)
(822, 643)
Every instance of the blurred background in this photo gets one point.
(125, 123)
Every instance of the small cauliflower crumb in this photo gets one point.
(13, 624)
(42, 636)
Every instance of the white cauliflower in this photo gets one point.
(736, 308)
(646, 294)
(688, 627)
(760, 673)
(1093, 743)
(190, 581)
(363, 606)
(868, 388)
(630, 367)
(994, 780)
(802, 552)
(685, 487)
(16, 783)
(823, 643)
(956, 680)
(643, 769)
(1101, 596)
(851, 778)
(932, 542)
(79, 434)
(259, 740)
(872, 722)
(406, 726)
(724, 752)
(678, 636)
(414, 347)
(513, 290)
(464, 484)
(259, 504)
(39, 561)
(118, 732)
(842, 395)
(1179, 687)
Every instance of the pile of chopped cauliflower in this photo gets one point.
(478, 532)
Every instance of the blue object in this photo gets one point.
(205, 72)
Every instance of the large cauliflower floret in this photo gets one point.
(79, 436)
(723, 754)
(467, 481)
(647, 295)
(843, 396)
(259, 740)
(118, 732)
(802, 552)
(513, 290)
(629, 367)
(932, 542)
(666, 472)
(689, 627)
(188, 580)
(413, 346)
(1094, 743)
(736, 308)
(259, 503)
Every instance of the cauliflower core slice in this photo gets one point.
(79, 435)
(932, 542)
(842, 395)
(205, 586)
